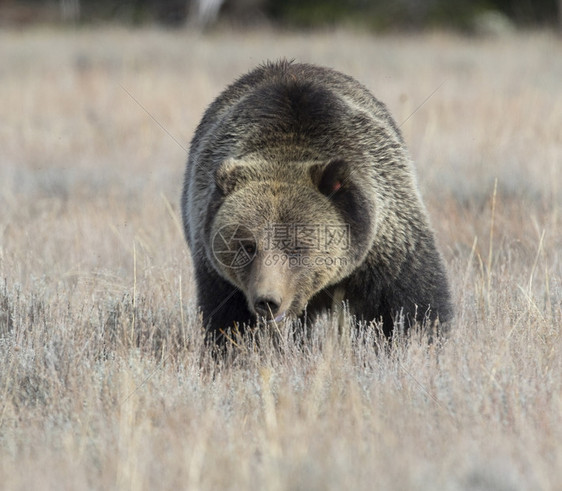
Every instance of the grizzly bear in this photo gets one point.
(299, 195)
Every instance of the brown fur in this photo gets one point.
(293, 145)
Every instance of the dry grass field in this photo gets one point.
(104, 381)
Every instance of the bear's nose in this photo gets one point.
(267, 306)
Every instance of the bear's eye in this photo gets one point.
(250, 248)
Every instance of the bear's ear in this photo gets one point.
(229, 175)
(332, 178)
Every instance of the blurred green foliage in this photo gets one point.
(371, 14)
(380, 14)
(375, 14)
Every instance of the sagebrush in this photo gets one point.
(104, 378)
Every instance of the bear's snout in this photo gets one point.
(269, 289)
(267, 306)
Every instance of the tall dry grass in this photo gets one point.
(104, 381)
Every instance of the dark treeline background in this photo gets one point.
(377, 15)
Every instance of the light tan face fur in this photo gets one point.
(288, 251)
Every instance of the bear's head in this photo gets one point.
(281, 239)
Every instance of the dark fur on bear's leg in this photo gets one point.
(292, 147)
(418, 298)
(223, 307)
